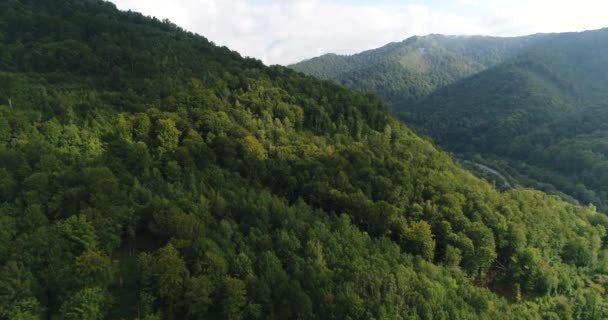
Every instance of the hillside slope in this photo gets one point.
(541, 115)
(405, 72)
(147, 174)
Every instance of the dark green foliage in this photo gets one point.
(540, 117)
(161, 177)
(87, 304)
(532, 107)
(405, 72)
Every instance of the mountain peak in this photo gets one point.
(146, 173)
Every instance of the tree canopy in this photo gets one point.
(146, 173)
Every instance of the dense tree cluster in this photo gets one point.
(406, 72)
(540, 117)
(158, 176)
(532, 107)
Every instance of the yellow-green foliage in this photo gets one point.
(224, 189)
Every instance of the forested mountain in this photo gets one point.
(542, 116)
(405, 72)
(532, 107)
(146, 173)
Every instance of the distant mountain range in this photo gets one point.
(534, 107)
(407, 71)
(146, 173)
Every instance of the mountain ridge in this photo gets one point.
(555, 81)
(529, 106)
(158, 176)
(404, 72)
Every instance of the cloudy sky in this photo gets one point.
(287, 31)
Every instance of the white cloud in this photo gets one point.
(526, 16)
(286, 31)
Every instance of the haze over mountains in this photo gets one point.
(534, 107)
(146, 173)
(407, 71)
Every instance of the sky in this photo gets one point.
(288, 31)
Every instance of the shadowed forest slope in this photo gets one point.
(146, 173)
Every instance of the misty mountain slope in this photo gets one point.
(146, 173)
(545, 108)
(405, 72)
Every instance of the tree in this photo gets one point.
(78, 229)
(485, 247)
(171, 275)
(453, 256)
(87, 304)
(234, 298)
(141, 126)
(5, 130)
(199, 296)
(419, 239)
(16, 291)
(167, 134)
(94, 269)
(254, 148)
(7, 185)
(577, 252)
(27, 309)
(8, 231)
(526, 268)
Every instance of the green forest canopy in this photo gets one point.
(540, 117)
(531, 107)
(146, 173)
(405, 72)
